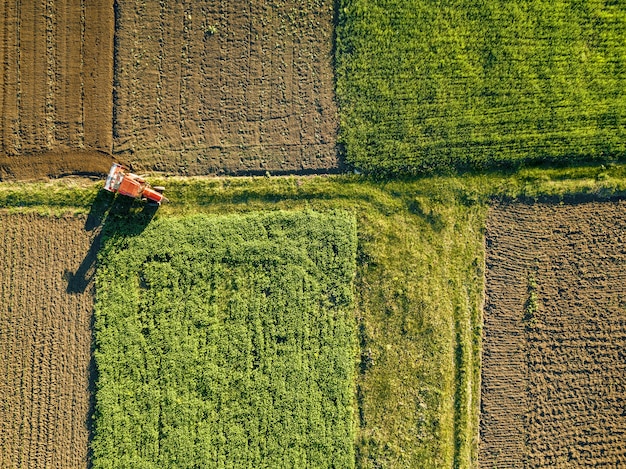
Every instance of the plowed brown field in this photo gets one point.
(554, 357)
(46, 307)
(56, 83)
(209, 87)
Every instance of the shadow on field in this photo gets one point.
(109, 215)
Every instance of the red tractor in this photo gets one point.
(132, 185)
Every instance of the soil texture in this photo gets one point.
(225, 87)
(56, 83)
(554, 338)
(54, 164)
(46, 308)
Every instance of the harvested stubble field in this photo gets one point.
(56, 79)
(46, 307)
(554, 368)
(209, 87)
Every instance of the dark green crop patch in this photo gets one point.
(227, 341)
(425, 85)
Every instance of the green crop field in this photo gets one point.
(227, 341)
(425, 85)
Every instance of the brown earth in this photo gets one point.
(46, 307)
(554, 338)
(191, 88)
(54, 164)
(213, 87)
(56, 85)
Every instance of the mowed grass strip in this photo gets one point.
(227, 341)
(427, 86)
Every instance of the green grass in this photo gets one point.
(425, 85)
(54, 197)
(418, 285)
(227, 341)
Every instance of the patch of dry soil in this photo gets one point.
(56, 87)
(225, 87)
(46, 308)
(554, 338)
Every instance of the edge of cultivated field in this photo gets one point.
(419, 285)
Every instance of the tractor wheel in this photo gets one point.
(159, 189)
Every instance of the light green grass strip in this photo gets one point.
(227, 341)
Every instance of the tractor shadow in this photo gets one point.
(108, 215)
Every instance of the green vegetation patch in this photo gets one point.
(425, 85)
(227, 341)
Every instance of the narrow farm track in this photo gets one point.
(46, 306)
(225, 87)
(56, 79)
(554, 374)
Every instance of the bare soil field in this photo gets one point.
(225, 87)
(56, 83)
(554, 338)
(46, 307)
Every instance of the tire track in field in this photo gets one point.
(9, 89)
(99, 28)
(71, 116)
(33, 75)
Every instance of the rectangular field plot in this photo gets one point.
(225, 86)
(424, 85)
(56, 77)
(554, 362)
(227, 341)
(46, 306)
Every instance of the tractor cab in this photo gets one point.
(131, 185)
